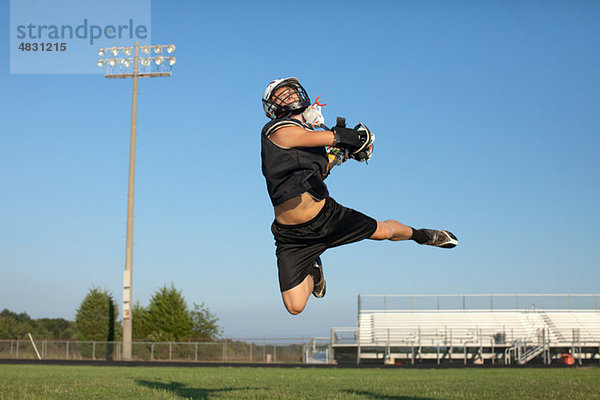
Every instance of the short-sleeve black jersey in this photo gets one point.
(291, 172)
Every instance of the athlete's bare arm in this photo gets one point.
(295, 136)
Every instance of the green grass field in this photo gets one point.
(62, 382)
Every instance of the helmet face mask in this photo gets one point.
(285, 97)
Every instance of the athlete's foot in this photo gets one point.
(319, 287)
(437, 238)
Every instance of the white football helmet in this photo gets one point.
(281, 103)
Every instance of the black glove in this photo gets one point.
(358, 141)
(350, 139)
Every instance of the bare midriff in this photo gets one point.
(298, 210)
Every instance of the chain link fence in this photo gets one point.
(266, 350)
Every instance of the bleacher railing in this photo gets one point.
(453, 302)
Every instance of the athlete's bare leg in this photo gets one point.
(391, 230)
(394, 230)
(295, 299)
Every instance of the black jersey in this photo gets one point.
(291, 172)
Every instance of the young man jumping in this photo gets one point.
(295, 161)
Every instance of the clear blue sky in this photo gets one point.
(487, 120)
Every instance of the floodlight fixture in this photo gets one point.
(114, 50)
(127, 51)
(101, 52)
(146, 49)
(172, 60)
(112, 62)
(159, 60)
(158, 49)
(100, 62)
(170, 48)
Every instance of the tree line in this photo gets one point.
(17, 326)
(166, 318)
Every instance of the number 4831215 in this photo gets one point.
(43, 46)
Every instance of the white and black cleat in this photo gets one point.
(319, 287)
(442, 239)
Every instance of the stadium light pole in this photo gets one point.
(119, 68)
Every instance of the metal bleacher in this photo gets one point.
(477, 329)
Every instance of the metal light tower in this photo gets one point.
(151, 66)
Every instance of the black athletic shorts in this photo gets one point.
(298, 246)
